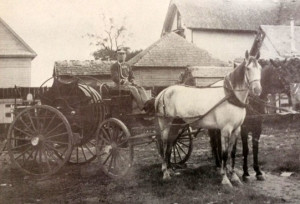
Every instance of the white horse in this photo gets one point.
(219, 108)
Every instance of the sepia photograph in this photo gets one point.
(150, 101)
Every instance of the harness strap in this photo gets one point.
(198, 117)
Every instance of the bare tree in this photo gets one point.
(112, 36)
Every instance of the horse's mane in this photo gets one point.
(237, 76)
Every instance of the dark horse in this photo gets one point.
(271, 82)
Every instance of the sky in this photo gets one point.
(54, 29)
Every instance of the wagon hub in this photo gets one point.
(35, 141)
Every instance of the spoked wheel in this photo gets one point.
(114, 150)
(39, 140)
(83, 153)
(183, 146)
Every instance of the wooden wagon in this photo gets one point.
(77, 123)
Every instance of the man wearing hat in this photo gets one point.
(122, 75)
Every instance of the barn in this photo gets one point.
(161, 64)
(15, 58)
(226, 28)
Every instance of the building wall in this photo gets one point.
(15, 71)
(157, 76)
(9, 44)
(225, 46)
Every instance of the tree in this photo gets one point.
(113, 36)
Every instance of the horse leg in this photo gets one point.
(255, 144)
(225, 135)
(164, 125)
(234, 178)
(244, 137)
(215, 143)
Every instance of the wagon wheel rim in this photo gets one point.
(83, 153)
(182, 147)
(114, 150)
(39, 140)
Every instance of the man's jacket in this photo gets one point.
(121, 73)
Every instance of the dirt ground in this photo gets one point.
(198, 183)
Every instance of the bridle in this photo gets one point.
(248, 81)
(247, 77)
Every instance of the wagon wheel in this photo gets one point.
(83, 153)
(39, 140)
(182, 147)
(114, 150)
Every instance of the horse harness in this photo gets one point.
(230, 97)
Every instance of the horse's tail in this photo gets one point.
(149, 106)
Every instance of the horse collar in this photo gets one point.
(233, 99)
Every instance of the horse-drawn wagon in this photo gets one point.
(76, 122)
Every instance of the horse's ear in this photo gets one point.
(273, 63)
(247, 55)
(257, 55)
(284, 60)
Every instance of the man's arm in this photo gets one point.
(130, 75)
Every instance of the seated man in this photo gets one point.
(122, 75)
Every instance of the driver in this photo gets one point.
(122, 75)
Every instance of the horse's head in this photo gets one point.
(273, 78)
(253, 73)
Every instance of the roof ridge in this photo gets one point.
(138, 57)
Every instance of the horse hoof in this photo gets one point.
(167, 176)
(246, 179)
(260, 177)
(226, 183)
(235, 180)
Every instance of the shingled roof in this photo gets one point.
(232, 14)
(174, 51)
(81, 68)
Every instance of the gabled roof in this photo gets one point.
(238, 15)
(12, 45)
(277, 41)
(81, 68)
(173, 50)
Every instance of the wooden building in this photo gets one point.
(277, 42)
(87, 70)
(15, 58)
(161, 64)
(226, 28)
(15, 69)
(201, 76)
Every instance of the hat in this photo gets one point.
(121, 50)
